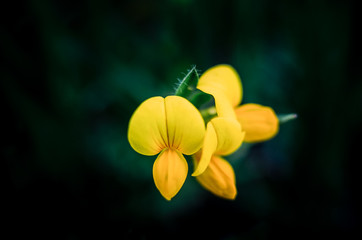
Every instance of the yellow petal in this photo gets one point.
(185, 125)
(147, 132)
(229, 135)
(208, 149)
(223, 105)
(219, 178)
(260, 123)
(222, 79)
(169, 172)
(223, 136)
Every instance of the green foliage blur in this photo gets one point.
(73, 72)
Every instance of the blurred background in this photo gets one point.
(73, 73)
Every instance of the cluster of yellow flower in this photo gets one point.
(173, 126)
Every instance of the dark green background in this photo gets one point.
(74, 72)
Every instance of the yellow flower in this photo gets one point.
(225, 133)
(170, 126)
(259, 122)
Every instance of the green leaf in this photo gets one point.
(283, 118)
(188, 84)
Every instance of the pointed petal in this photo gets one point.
(147, 131)
(260, 123)
(219, 178)
(169, 172)
(185, 125)
(222, 79)
(223, 137)
(208, 149)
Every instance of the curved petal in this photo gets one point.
(208, 149)
(260, 123)
(185, 125)
(223, 136)
(223, 105)
(147, 132)
(219, 178)
(169, 172)
(222, 79)
(229, 135)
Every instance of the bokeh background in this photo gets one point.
(73, 72)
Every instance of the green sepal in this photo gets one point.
(188, 84)
(283, 118)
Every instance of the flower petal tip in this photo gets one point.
(231, 196)
(196, 173)
(200, 168)
(167, 198)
